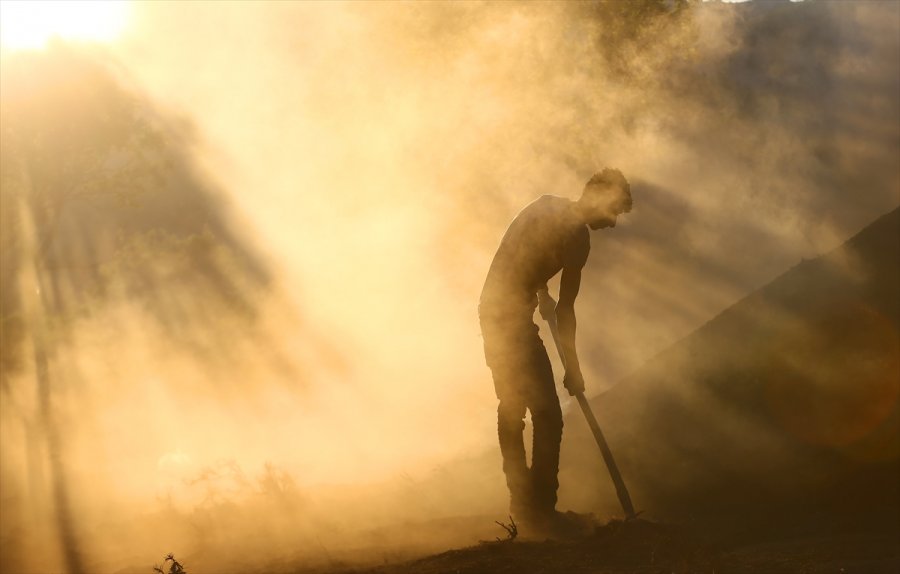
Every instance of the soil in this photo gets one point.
(642, 546)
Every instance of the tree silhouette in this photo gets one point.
(99, 202)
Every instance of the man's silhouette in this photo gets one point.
(548, 236)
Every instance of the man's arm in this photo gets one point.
(570, 283)
(546, 304)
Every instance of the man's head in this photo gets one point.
(606, 195)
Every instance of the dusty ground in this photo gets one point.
(647, 547)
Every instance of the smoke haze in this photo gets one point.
(271, 341)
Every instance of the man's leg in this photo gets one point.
(546, 416)
(510, 427)
(507, 351)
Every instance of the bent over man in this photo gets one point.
(548, 236)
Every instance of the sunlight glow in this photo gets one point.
(29, 24)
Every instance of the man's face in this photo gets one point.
(602, 221)
(602, 209)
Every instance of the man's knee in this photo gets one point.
(548, 417)
(511, 416)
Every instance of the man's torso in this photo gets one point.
(543, 238)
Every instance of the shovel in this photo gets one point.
(621, 490)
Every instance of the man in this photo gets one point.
(548, 236)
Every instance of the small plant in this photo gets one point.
(511, 530)
(175, 568)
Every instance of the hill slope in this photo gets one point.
(782, 409)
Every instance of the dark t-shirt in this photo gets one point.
(544, 237)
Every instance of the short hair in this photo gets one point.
(611, 178)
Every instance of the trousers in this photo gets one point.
(523, 381)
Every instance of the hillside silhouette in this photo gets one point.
(781, 412)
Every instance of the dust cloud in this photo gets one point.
(247, 332)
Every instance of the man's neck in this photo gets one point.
(578, 211)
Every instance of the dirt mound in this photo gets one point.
(644, 547)
(634, 546)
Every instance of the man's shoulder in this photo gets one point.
(547, 203)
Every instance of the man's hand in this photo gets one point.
(573, 381)
(547, 305)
